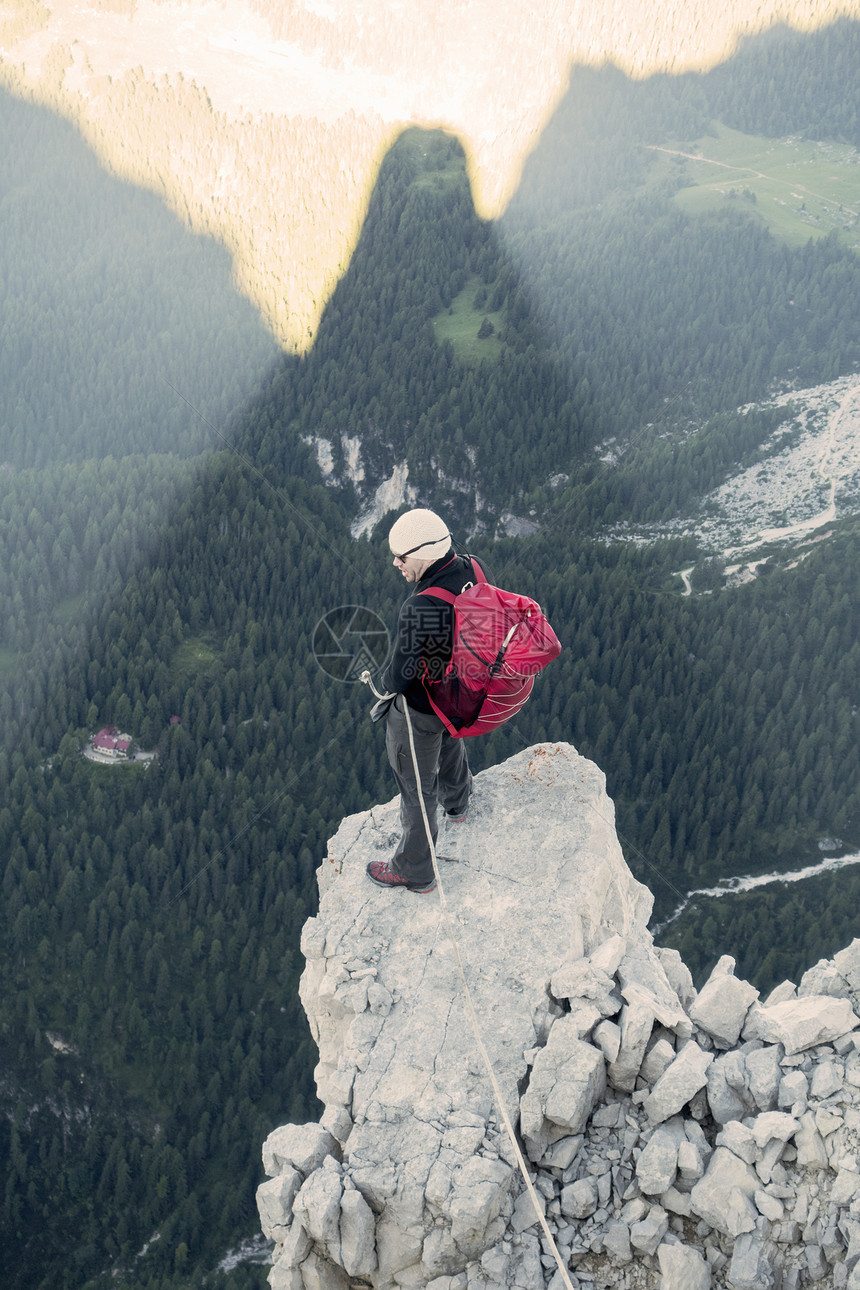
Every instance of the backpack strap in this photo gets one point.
(482, 577)
(450, 596)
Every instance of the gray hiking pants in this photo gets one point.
(445, 778)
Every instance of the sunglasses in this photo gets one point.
(412, 550)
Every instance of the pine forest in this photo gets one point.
(178, 510)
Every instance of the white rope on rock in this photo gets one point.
(473, 1016)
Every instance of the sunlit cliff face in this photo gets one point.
(264, 122)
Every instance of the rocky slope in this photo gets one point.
(675, 1140)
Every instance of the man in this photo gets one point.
(422, 550)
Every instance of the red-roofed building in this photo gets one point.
(110, 742)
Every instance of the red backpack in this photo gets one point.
(501, 641)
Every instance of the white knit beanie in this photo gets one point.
(420, 528)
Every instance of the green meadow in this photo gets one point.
(800, 188)
(462, 321)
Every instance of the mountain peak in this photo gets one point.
(672, 1138)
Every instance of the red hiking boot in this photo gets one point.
(380, 872)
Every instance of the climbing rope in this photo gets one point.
(470, 1007)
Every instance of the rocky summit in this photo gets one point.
(675, 1140)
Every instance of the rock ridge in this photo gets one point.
(676, 1140)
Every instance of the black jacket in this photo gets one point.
(424, 636)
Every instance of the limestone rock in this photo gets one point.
(478, 1190)
(678, 1083)
(275, 1203)
(811, 1151)
(608, 955)
(847, 964)
(607, 1036)
(764, 1074)
(678, 975)
(722, 1004)
(301, 1146)
(729, 1097)
(617, 1242)
(793, 1089)
(319, 1274)
(317, 1208)
(657, 1166)
(647, 1234)
(579, 1199)
(826, 1079)
(739, 1139)
(580, 980)
(824, 978)
(799, 1024)
(723, 1197)
(683, 1268)
(732, 1163)
(750, 1268)
(658, 1059)
(636, 1024)
(406, 1093)
(357, 1235)
(643, 980)
(568, 1076)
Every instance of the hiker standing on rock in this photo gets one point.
(422, 550)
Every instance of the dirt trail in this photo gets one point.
(741, 171)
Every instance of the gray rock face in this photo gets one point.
(675, 1141)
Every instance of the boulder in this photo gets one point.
(568, 1076)
(636, 1023)
(750, 1267)
(582, 981)
(683, 1268)
(658, 1059)
(722, 1004)
(657, 1166)
(793, 1090)
(724, 1196)
(799, 1024)
(275, 1203)
(847, 964)
(678, 1083)
(579, 1199)
(317, 1208)
(616, 1242)
(738, 1138)
(764, 1074)
(811, 1151)
(357, 1233)
(299, 1146)
(824, 978)
(647, 1234)
(729, 1097)
(826, 1079)
(678, 975)
(643, 980)
(607, 1037)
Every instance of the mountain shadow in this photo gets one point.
(149, 945)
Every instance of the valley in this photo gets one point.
(799, 187)
(192, 482)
